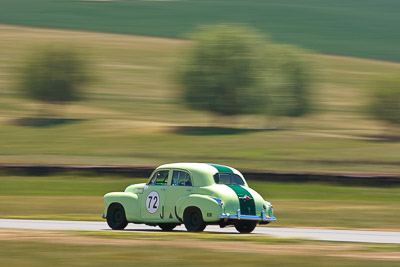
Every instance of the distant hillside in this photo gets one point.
(361, 28)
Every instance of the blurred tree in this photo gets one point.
(290, 81)
(54, 75)
(224, 69)
(232, 70)
(385, 99)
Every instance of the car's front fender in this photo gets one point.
(129, 201)
(209, 207)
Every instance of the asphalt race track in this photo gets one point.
(316, 234)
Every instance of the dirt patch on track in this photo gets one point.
(361, 251)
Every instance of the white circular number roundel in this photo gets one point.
(152, 202)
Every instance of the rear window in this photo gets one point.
(228, 178)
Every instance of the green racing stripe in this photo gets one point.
(247, 207)
(222, 168)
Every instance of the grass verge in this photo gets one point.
(76, 249)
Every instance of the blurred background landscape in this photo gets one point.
(133, 112)
(133, 109)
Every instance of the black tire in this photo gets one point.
(167, 226)
(193, 220)
(116, 217)
(245, 227)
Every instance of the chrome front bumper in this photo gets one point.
(239, 216)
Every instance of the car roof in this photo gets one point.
(202, 172)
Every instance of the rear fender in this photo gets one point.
(209, 207)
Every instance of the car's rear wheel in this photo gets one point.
(167, 226)
(245, 227)
(193, 220)
(116, 217)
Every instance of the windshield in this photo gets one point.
(228, 178)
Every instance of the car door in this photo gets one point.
(180, 186)
(153, 200)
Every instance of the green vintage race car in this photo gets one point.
(195, 194)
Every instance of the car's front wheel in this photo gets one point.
(167, 226)
(193, 220)
(116, 217)
(245, 227)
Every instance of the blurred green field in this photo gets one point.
(133, 114)
(17, 253)
(72, 253)
(354, 28)
(78, 197)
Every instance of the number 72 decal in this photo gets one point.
(152, 202)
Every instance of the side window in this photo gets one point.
(153, 179)
(175, 178)
(180, 178)
(188, 180)
(159, 178)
